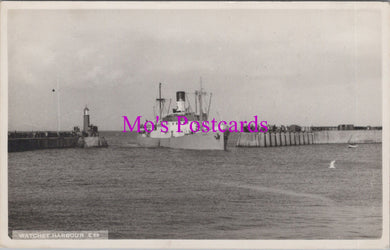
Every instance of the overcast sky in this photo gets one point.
(307, 67)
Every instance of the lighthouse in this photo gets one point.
(86, 119)
(90, 135)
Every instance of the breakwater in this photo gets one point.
(25, 144)
(274, 139)
(345, 136)
(24, 141)
(277, 139)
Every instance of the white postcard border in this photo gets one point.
(5, 241)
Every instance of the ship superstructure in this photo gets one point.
(169, 133)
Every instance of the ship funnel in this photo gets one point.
(180, 101)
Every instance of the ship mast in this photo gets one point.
(208, 110)
(196, 102)
(200, 94)
(169, 107)
(58, 107)
(159, 99)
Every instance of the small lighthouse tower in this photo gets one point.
(86, 119)
(90, 135)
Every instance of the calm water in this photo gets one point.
(242, 193)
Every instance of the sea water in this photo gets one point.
(242, 193)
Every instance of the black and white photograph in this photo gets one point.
(194, 125)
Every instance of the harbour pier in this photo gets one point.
(35, 140)
(294, 135)
(274, 139)
(24, 141)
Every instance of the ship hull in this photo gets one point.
(147, 142)
(198, 141)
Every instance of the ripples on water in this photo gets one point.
(242, 193)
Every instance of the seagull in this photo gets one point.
(332, 164)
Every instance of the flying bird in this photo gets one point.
(332, 164)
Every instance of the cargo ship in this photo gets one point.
(170, 136)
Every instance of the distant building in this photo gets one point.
(323, 128)
(294, 128)
(345, 127)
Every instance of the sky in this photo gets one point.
(306, 67)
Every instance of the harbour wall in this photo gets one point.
(277, 139)
(274, 139)
(25, 144)
(343, 136)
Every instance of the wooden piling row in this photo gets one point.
(274, 139)
(288, 141)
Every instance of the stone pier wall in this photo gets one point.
(279, 139)
(344, 136)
